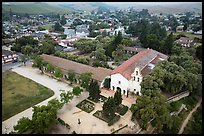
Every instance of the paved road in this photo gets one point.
(188, 117)
(34, 74)
(9, 66)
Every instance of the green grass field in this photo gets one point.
(190, 35)
(20, 93)
(48, 26)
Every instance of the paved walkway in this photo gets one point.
(34, 74)
(126, 100)
(89, 123)
(189, 116)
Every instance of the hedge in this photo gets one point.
(115, 119)
(124, 110)
(61, 121)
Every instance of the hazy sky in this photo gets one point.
(148, 3)
(120, 3)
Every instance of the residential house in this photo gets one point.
(179, 28)
(82, 31)
(69, 32)
(185, 41)
(128, 76)
(133, 50)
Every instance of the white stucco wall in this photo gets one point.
(115, 78)
(132, 85)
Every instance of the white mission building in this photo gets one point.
(128, 76)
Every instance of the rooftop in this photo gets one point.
(140, 60)
(98, 73)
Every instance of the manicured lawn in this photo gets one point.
(20, 93)
(186, 34)
(48, 26)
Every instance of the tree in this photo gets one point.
(149, 107)
(23, 125)
(58, 27)
(118, 39)
(43, 118)
(106, 83)
(11, 13)
(47, 48)
(27, 50)
(55, 103)
(109, 107)
(71, 76)
(63, 20)
(199, 52)
(24, 59)
(58, 73)
(77, 90)
(185, 27)
(50, 68)
(66, 96)
(168, 44)
(118, 98)
(85, 79)
(94, 91)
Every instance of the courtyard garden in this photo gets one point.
(86, 106)
(121, 109)
(101, 99)
(108, 119)
(20, 93)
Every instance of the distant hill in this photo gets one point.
(34, 8)
(87, 6)
(195, 7)
(169, 8)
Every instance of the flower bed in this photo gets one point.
(99, 115)
(86, 106)
(102, 99)
(121, 109)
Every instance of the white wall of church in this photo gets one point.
(134, 83)
(117, 80)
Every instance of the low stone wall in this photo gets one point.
(178, 96)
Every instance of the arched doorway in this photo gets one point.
(118, 89)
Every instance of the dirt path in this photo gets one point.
(188, 117)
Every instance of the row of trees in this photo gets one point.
(29, 46)
(84, 78)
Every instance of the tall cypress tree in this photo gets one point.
(94, 90)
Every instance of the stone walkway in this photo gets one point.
(34, 74)
(89, 123)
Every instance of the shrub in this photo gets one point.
(174, 106)
(115, 119)
(124, 110)
(67, 126)
(61, 121)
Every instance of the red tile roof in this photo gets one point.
(139, 60)
(65, 65)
